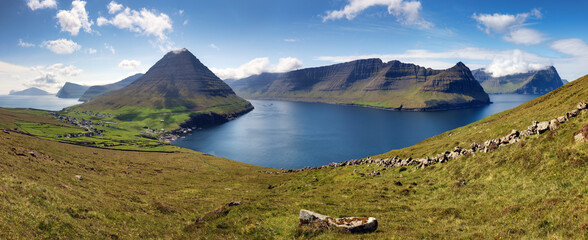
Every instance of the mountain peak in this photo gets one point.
(460, 65)
(178, 79)
(181, 50)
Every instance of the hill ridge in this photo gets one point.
(370, 82)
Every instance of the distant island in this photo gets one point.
(72, 90)
(94, 91)
(33, 91)
(372, 83)
(534, 82)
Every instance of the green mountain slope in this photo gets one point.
(370, 82)
(534, 189)
(94, 91)
(535, 82)
(177, 88)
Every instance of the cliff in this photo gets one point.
(370, 82)
(534, 82)
(72, 90)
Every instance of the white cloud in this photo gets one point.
(181, 12)
(406, 12)
(258, 66)
(524, 36)
(61, 46)
(185, 22)
(145, 22)
(212, 45)
(479, 57)
(114, 7)
(91, 51)
(512, 64)
(110, 48)
(290, 40)
(574, 66)
(71, 21)
(287, 64)
(101, 21)
(49, 78)
(129, 64)
(571, 46)
(511, 26)
(24, 44)
(36, 4)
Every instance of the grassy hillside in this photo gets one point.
(535, 189)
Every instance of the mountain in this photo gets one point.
(94, 91)
(177, 84)
(370, 82)
(534, 82)
(30, 92)
(72, 90)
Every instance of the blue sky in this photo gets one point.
(44, 43)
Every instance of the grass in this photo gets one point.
(536, 189)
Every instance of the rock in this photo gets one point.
(553, 124)
(572, 113)
(460, 183)
(562, 119)
(351, 224)
(581, 106)
(542, 127)
(374, 173)
(474, 146)
(79, 177)
(579, 138)
(235, 203)
(533, 126)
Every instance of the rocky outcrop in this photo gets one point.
(350, 224)
(370, 82)
(534, 82)
(94, 91)
(71, 90)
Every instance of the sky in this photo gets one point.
(44, 43)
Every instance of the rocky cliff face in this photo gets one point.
(94, 91)
(535, 82)
(72, 90)
(370, 82)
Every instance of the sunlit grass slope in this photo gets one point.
(535, 189)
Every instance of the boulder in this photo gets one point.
(542, 127)
(572, 113)
(581, 106)
(562, 119)
(533, 126)
(553, 124)
(579, 138)
(351, 224)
